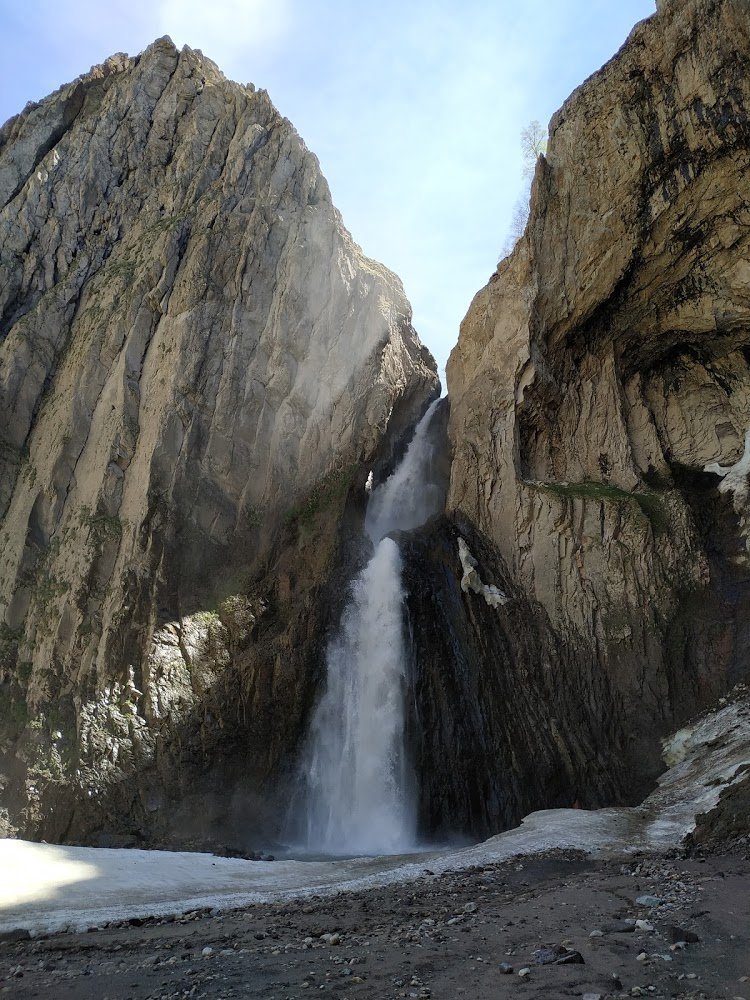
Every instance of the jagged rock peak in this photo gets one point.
(191, 344)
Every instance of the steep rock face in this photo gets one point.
(600, 387)
(197, 364)
(507, 716)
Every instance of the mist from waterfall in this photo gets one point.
(359, 788)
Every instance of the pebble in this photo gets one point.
(649, 901)
(523, 973)
(644, 925)
(592, 996)
(641, 956)
(620, 927)
(506, 968)
(571, 958)
(596, 934)
(17, 934)
(470, 908)
(207, 951)
(547, 956)
(679, 934)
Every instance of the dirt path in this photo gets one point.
(441, 937)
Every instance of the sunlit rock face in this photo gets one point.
(600, 389)
(197, 364)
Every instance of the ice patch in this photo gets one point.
(734, 477)
(675, 748)
(471, 581)
(47, 888)
(734, 480)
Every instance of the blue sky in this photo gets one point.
(414, 109)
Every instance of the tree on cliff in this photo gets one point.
(533, 145)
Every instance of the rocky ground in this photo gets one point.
(553, 925)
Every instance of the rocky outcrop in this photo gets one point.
(507, 717)
(600, 387)
(197, 364)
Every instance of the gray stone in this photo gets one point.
(196, 362)
(620, 927)
(677, 934)
(571, 958)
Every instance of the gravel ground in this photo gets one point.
(464, 934)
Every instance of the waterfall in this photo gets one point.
(359, 788)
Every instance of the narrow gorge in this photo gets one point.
(260, 585)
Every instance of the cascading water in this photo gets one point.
(359, 787)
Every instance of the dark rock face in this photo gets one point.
(507, 718)
(197, 366)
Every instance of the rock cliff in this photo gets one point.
(600, 388)
(196, 365)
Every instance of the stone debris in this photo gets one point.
(398, 941)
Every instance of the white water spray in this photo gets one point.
(359, 784)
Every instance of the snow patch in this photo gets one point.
(735, 481)
(471, 580)
(47, 888)
(734, 477)
(675, 748)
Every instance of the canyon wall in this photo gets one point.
(197, 367)
(600, 394)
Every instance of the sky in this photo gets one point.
(414, 109)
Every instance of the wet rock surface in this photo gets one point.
(507, 717)
(420, 940)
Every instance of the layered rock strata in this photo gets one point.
(507, 716)
(196, 365)
(600, 387)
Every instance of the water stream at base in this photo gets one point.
(359, 788)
